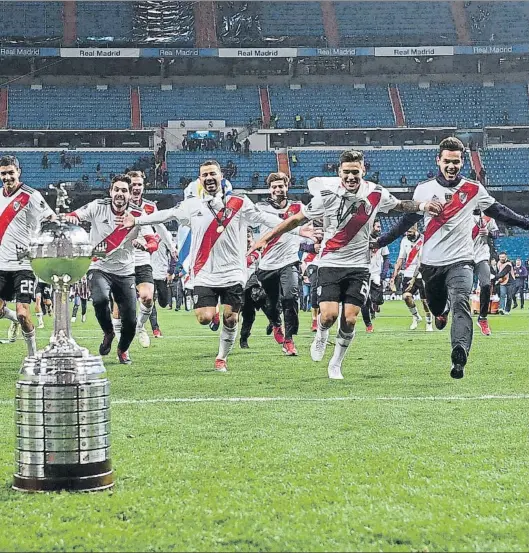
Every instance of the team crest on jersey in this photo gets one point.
(463, 197)
(448, 197)
(368, 208)
(228, 212)
(16, 206)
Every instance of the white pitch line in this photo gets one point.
(154, 401)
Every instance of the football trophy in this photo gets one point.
(62, 395)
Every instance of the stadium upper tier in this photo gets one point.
(262, 23)
(333, 106)
(506, 166)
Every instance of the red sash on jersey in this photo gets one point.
(475, 230)
(459, 200)
(211, 235)
(19, 202)
(310, 257)
(355, 223)
(292, 210)
(413, 253)
(118, 235)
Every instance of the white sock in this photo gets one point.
(227, 339)
(414, 312)
(343, 340)
(10, 315)
(31, 342)
(40, 316)
(428, 318)
(322, 333)
(145, 313)
(116, 323)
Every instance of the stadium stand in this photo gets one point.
(111, 162)
(506, 166)
(395, 23)
(291, 18)
(31, 19)
(69, 107)
(186, 164)
(236, 107)
(465, 106)
(108, 21)
(391, 164)
(515, 246)
(340, 106)
(498, 22)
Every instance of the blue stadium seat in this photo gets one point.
(506, 166)
(186, 164)
(111, 162)
(396, 23)
(111, 21)
(515, 246)
(31, 19)
(291, 19)
(236, 107)
(498, 22)
(340, 106)
(69, 107)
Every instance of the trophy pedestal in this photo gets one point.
(63, 424)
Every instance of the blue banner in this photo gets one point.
(28, 51)
(492, 49)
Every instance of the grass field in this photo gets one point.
(274, 456)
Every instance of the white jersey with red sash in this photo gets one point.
(448, 236)
(142, 257)
(21, 214)
(348, 222)
(115, 241)
(377, 264)
(218, 236)
(481, 243)
(410, 253)
(283, 250)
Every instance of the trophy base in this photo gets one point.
(74, 478)
(63, 424)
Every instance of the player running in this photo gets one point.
(348, 206)
(412, 282)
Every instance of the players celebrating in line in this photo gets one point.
(218, 249)
(348, 211)
(412, 283)
(114, 274)
(22, 210)
(447, 262)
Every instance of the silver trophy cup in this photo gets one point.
(62, 399)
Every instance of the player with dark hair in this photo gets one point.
(22, 210)
(447, 262)
(114, 274)
(218, 249)
(348, 206)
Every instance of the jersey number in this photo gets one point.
(365, 289)
(27, 287)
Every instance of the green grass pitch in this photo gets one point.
(273, 456)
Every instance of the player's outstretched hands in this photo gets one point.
(138, 245)
(258, 245)
(71, 219)
(308, 231)
(127, 220)
(433, 208)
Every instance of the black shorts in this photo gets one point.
(17, 285)
(376, 293)
(204, 296)
(143, 274)
(161, 292)
(342, 285)
(417, 287)
(44, 289)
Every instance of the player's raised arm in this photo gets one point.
(178, 213)
(286, 226)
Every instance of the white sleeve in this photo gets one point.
(315, 209)
(40, 210)
(387, 201)
(255, 216)
(165, 236)
(493, 227)
(86, 212)
(180, 213)
(485, 200)
(384, 251)
(317, 184)
(419, 195)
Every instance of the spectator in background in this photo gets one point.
(185, 144)
(235, 134)
(321, 124)
(238, 146)
(472, 175)
(505, 278)
(302, 182)
(294, 159)
(98, 167)
(403, 180)
(483, 176)
(229, 142)
(376, 177)
(246, 144)
(255, 179)
(62, 159)
(274, 118)
(520, 277)
(430, 174)
(367, 165)
(298, 121)
(44, 161)
(293, 180)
